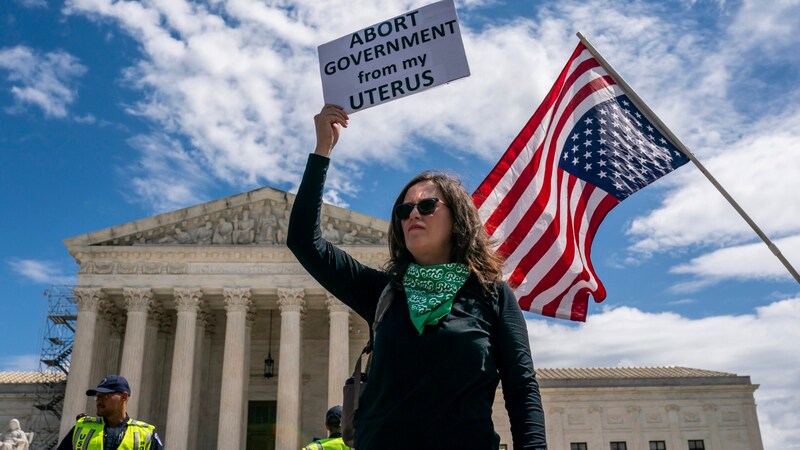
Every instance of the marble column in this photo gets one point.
(163, 346)
(675, 439)
(200, 400)
(248, 332)
(292, 304)
(237, 303)
(150, 392)
(137, 303)
(597, 439)
(754, 441)
(105, 357)
(555, 424)
(636, 426)
(712, 420)
(338, 348)
(187, 303)
(89, 302)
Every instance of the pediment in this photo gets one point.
(256, 218)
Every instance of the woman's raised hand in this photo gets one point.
(328, 123)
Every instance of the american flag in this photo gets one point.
(586, 148)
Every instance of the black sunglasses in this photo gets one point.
(425, 207)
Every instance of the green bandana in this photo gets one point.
(431, 290)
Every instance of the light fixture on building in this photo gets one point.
(269, 363)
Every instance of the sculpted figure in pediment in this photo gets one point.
(331, 234)
(267, 227)
(283, 226)
(205, 233)
(183, 236)
(244, 232)
(349, 238)
(223, 233)
(166, 239)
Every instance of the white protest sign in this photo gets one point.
(400, 56)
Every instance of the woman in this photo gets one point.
(453, 330)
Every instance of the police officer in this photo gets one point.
(333, 423)
(112, 429)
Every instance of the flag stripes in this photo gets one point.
(543, 218)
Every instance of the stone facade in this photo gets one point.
(638, 405)
(18, 394)
(180, 304)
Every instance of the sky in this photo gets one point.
(113, 111)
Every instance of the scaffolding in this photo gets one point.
(59, 334)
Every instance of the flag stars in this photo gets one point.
(626, 155)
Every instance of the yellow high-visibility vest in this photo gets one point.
(88, 435)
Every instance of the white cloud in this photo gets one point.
(761, 171)
(39, 271)
(33, 3)
(629, 337)
(746, 262)
(768, 27)
(42, 80)
(240, 79)
(167, 177)
(87, 119)
(754, 154)
(20, 363)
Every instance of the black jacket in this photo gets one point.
(436, 389)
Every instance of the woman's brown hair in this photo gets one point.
(470, 244)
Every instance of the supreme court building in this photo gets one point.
(189, 304)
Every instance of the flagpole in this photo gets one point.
(685, 150)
